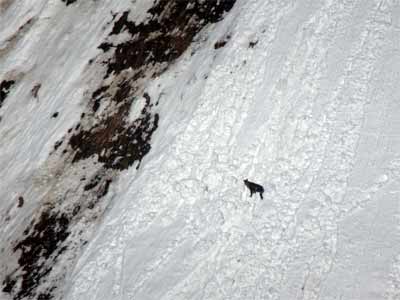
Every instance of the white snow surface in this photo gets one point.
(310, 110)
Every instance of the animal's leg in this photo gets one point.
(251, 193)
(261, 195)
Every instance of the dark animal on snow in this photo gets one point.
(254, 188)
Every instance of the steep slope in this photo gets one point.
(128, 127)
(66, 198)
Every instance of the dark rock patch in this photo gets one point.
(55, 115)
(117, 143)
(57, 144)
(165, 36)
(100, 190)
(154, 44)
(105, 46)
(5, 87)
(101, 90)
(45, 296)
(222, 43)
(20, 201)
(219, 44)
(93, 183)
(38, 251)
(35, 90)
(105, 189)
(8, 284)
(68, 2)
(76, 210)
(25, 25)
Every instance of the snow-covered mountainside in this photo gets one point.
(127, 128)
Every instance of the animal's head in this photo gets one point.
(245, 181)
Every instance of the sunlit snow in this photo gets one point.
(302, 97)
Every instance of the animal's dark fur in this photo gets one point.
(254, 188)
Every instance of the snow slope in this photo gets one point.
(299, 96)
